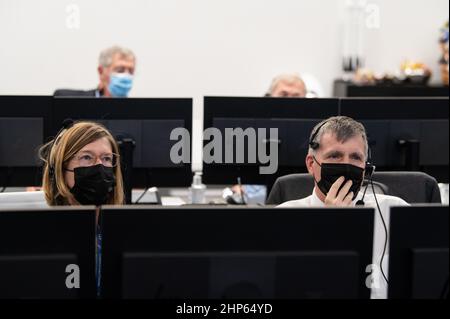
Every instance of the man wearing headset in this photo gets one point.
(338, 161)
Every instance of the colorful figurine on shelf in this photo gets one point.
(444, 48)
(415, 72)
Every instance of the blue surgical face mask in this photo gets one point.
(120, 84)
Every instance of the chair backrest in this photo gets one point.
(23, 200)
(413, 187)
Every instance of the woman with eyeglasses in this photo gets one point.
(82, 167)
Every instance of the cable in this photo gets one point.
(361, 201)
(142, 195)
(98, 264)
(444, 293)
(385, 231)
(365, 190)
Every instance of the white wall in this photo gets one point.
(192, 48)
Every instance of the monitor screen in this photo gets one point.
(25, 122)
(405, 133)
(293, 120)
(20, 139)
(47, 253)
(210, 252)
(419, 253)
(395, 108)
(148, 122)
(241, 275)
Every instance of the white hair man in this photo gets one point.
(287, 85)
(115, 69)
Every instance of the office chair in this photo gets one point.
(413, 187)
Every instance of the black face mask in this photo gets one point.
(330, 173)
(93, 184)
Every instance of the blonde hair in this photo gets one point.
(58, 152)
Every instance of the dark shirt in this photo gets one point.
(77, 93)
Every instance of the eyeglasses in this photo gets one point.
(89, 159)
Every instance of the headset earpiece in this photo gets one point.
(369, 170)
(314, 145)
(66, 124)
(51, 171)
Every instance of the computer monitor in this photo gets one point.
(405, 133)
(419, 254)
(253, 253)
(24, 122)
(294, 119)
(395, 108)
(44, 250)
(148, 122)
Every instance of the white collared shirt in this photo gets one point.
(385, 202)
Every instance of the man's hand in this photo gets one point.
(341, 199)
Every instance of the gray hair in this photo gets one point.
(107, 55)
(343, 127)
(289, 78)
